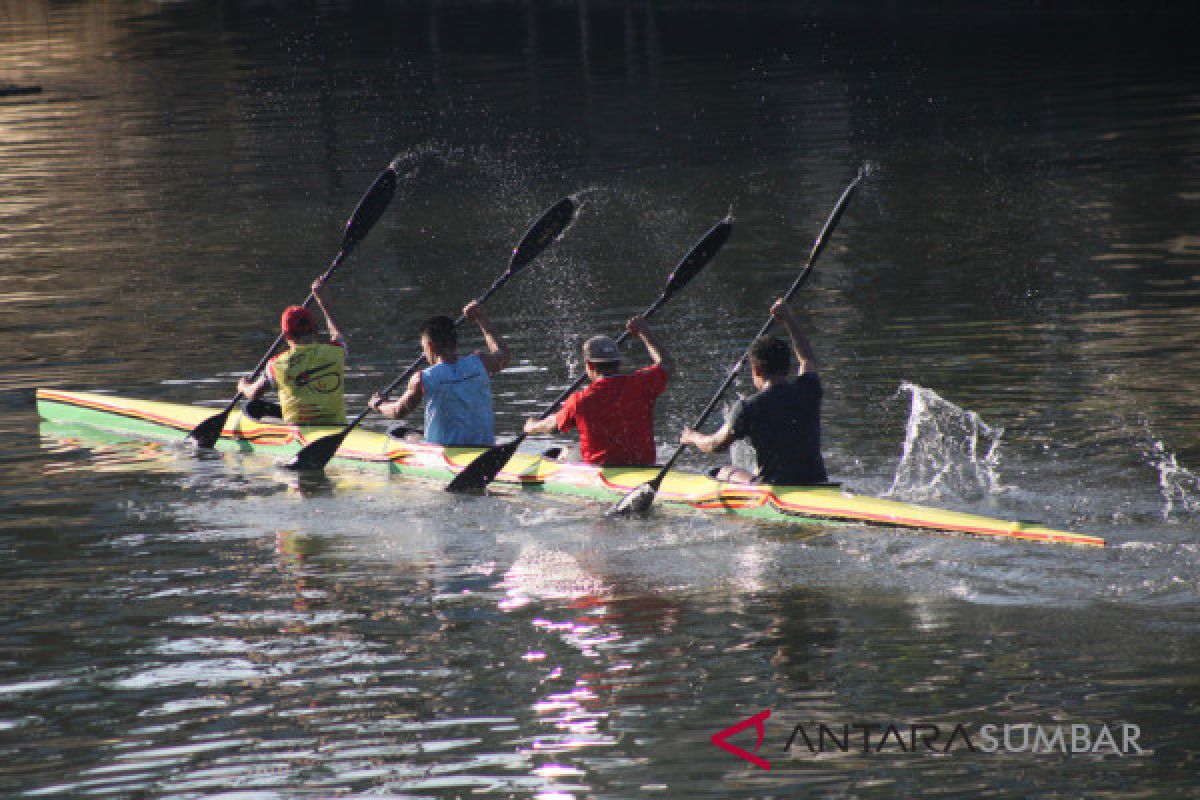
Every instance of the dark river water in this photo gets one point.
(1008, 319)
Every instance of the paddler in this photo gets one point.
(457, 389)
(783, 420)
(309, 375)
(615, 412)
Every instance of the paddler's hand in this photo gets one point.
(318, 288)
(375, 402)
(781, 311)
(245, 386)
(637, 326)
(473, 311)
(688, 437)
(539, 425)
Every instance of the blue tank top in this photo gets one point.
(458, 403)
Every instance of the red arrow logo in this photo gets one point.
(719, 739)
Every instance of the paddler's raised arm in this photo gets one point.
(497, 357)
(658, 351)
(806, 357)
(318, 291)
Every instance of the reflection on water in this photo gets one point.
(1026, 251)
(547, 661)
(376, 643)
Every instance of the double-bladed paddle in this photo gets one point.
(640, 499)
(484, 469)
(368, 211)
(553, 222)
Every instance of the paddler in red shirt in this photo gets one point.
(615, 413)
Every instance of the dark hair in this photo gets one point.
(440, 332)
(770, 355)
(606, 368)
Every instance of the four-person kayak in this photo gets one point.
(379, 451)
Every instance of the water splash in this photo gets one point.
(741, 452)
(1180, 486)
(947, 450)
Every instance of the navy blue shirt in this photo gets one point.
(783, 423)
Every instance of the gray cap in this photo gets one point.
(601, 349)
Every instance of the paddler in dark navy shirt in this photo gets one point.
(457, 389)
(783, 420)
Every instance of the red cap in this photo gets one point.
(297, 321)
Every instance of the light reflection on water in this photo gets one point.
(377, 649)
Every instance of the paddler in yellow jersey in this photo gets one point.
(310, 374)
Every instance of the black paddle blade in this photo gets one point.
(315, 455)
(371, 207)
(638, 501)
(542, 233)
(206, 433)
(483, 470)
(698, 257)
(838, 209)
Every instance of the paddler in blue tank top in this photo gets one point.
(457, 389)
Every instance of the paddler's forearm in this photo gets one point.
(497, 347)
(318, 293)
(335, 332)
(252, 390)
(707, 442)
(395, 409)
(806, 357)
(536, 426)
(658, 351)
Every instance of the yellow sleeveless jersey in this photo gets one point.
(311, 383)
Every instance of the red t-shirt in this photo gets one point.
(615, 417)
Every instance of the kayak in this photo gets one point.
(531, 472)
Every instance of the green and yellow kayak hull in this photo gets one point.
(377, 451)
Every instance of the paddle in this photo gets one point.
(484, 469)
(641, 498)
(368, 211)
(553, 222)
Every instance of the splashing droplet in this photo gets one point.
(948, 451)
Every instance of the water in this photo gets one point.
(1006, 321)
